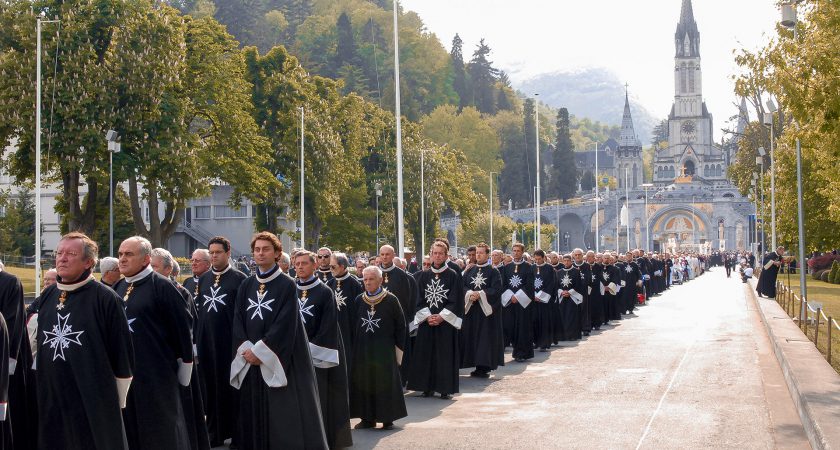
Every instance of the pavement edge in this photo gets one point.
(814, 385)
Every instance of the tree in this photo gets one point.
(514, 181)
(17, 222)
(660, 135)
(587, 181)
(478, 230)
(277, 23)
(345, 51)
(483, 78)
(564, 175)
(459, 74)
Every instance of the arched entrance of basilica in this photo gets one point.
(678, 230)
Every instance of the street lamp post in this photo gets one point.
(539, 169)
(491, 210)
(302, 181)
(400, 218)
(597, 219)
(378, 187)
(759, 160)
(771, 106)
(113, 147)
(647, 186)
(422, 202)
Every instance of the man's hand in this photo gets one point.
(475, 297)
(434, 320)
(514, 300)
(565, 294)
(251, 358)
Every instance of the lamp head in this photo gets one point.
(761, 151)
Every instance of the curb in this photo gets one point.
(813, 384)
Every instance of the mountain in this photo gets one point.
(594, 93)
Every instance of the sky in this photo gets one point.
(632, 38)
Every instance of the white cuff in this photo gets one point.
(601, 288)
(588, 290)
(467, 301)
(2, 412)
(12, 365)
(419, 318)
(769, 264)
(612, 288)
(239, 367)
(184, 372)
(399, 355)
(506, 296)
(32, 329)
(485, 305)
(322, 357)
(451, 318)
(543, 297)
(576, 296)
(272, 370)
(122, 389)
(522, 298)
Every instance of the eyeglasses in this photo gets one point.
(323, 256)
(69, 254)
(198, 260)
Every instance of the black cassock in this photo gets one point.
(632, 275)
(160, 330)
(481, 331)
(22, 411)
(586, 278)
(318, 314)
(544, 300)
(435, 360)
(518, 280)
(325, 275)
(346, 289)
(191, 285)
(767, 279)
(5, 425)
(191, 395)
(570, 306)
(84, 367)
(216, 293)
(404, 287)
(378, 338)
(278, 400)
(596, 299)
(611, 288)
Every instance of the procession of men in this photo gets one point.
(285, 357)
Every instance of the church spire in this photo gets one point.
(687, 36)
(628, 133)
(743, 118)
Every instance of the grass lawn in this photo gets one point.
(827, 294)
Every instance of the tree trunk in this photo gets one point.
(136, 209)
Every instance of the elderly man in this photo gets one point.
(346, 288)
(109, 268)
(481, 332)
(360, 264)
(770, 271)
(217, 290)
(585, 271)
(404, 287)
(85, 353)
(517, 295)
(324, 272)
(200, 263)
(284, 262)
(49, 278)
(376, 393)
(159, 325)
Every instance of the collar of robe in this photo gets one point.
(387, 269)
(343, 277)
(327, 270)
(266, 277)
(373, 296)
(220, 272)
(440, 269)
(140, 275)
(522, 260)
(539, 265)
(308, 284)
(483, 265)
(70, 287)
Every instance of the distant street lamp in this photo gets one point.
(491, 209)
(378, 187)
(114, 145)
(566, 237)
(302, 181)
(647, 186)
(771, 106)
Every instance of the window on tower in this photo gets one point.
(683, 76)
(691, 78)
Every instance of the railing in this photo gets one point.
(810, 321)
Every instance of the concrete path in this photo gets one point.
(693, 369)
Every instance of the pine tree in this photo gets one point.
(483, 77)
(346, 50)
(458, 72)
(564, 175)
(587, 181)
(505, 93)
(529, 131)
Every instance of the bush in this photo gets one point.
(824, 276)
(822, 262)
(817, 274)
(834, 275)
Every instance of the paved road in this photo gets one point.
(693, 369)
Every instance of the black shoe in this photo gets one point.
(428, 394)
(365, 424)
(479, 374)
(519, 359)
(446, 396)
(544, 349)
(586, 333)
(388, 426)
(233, 446)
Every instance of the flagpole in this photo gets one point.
(596, 198)
(400, 219)
(627, 194)
(302, 198)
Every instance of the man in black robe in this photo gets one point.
(85, 359)
(154, 415)
(324, 257)
(318, 313)
(770, 271)
(217, 289)
(481, 331)
(544, 298)
(570, 288)
(22, 411)
(596, 300)
(164, 263)
(586, 276)
(279, 407)
(346, 289)
(376, 393)
(199, 263)
(669, 267)
(632, 283)
(109, 269)
(611, 287)
(435, 360)
(5, 425)
(404, 287)
(517, 295)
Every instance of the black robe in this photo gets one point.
(544, 300)
(324, 274)
(435, 360)
(376, 392)
(346, 289)
(191, 395)
(611, 287)
(278, 400)
(571, 306)
(767, 279)
(646, 269)
(213, 336)
(22, 410)
(556, 324)
(518, 279)
(585, 271)
(5, 423)
(481, 332)
(319, 315)
(84, 365)
(404, 287)
(632, 275)
(596, 300)
(191, 285)
(160, 330)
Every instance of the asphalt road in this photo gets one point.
(692, 369)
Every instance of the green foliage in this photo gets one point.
(17, 222)
(834, 276)
(123, 225)
(564, 173)
(585, 132)
(515, 183)
(478, 230)
(587, 181)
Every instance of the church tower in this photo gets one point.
(629, 153)
(691, 147)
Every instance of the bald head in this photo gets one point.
(386, 256)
